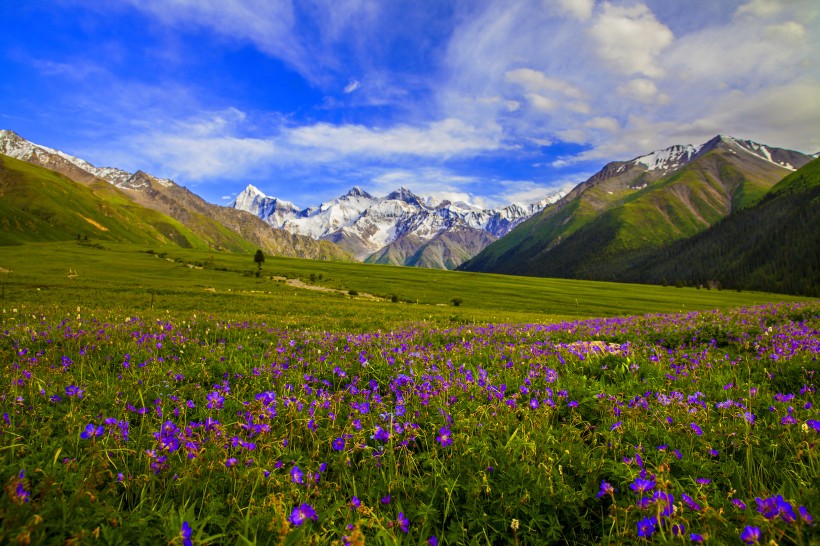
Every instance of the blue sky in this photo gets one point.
(489, 101)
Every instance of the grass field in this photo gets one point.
(105, 276)
(166, 396)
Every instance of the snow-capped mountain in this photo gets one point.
(365, 225)
(221, 227)
(676, 156)
(13, 145)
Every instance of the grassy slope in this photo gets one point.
(41, 205)
(774, 243)
(127, 277)
(611, 218)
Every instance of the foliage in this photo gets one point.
(135, 428)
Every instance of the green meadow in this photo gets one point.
(104, 275)
(183, 397)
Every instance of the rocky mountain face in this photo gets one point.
(222, 227)
(400, 228)
(647, 202)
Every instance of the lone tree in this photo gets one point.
(259, 258)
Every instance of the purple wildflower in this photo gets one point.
(296, 475)
(696, 428)
(694, 537)
(21, 494)
(381, 434)
(432, 541)
(750, 534)
(688, 501)
(767, 507)
(606, 489)
(804, 514)
(403, 522)
(666, 501)
(302, 513)
(641, 485)
(785, 509)
(444, 437)
(92, 431)
(74, 390)
(616, 425)
(185, 534)
(646, 527)
(739, 503)
(338, 444)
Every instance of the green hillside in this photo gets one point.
(38, 205)
(773, 245)
(625, 210)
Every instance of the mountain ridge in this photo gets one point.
(648, 201)
(394, 228)
(220, 227)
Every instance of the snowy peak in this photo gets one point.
(357, 193)
(403, 194)
(787, 159)
(669, 159)
(365, 225)
(251, 199)
(15, 146)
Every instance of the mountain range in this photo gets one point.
(728, 212)
(154, 208)
(633, 207)
(400, 228)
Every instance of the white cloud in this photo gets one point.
(535, 81)
(449, 137)
(542, 103)
(630, 39)
(789, 32)
(760, 8)
(604, 123)
(352, 86)
(580, 9)
(643, 90)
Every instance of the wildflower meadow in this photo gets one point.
(698, 427)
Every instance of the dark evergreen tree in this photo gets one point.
(259, 258)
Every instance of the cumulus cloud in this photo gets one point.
(630, 39)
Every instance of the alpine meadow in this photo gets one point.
(390, 273)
